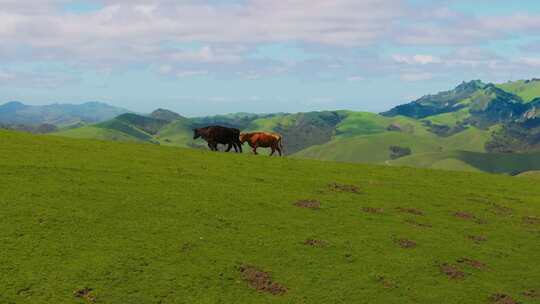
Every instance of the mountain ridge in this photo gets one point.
(16, 112)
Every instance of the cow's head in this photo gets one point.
(196, 133)
(243, 137)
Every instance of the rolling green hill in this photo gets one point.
(85, 221)
(534, 174)
(474, 161)
(96, 132)
(526, 89)
(366, 137)
(134, 127)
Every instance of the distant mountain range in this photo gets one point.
(17, 113)
(475, 127)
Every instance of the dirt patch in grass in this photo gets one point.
(417, 224)
(344, 188)
(452, 271)
(187, 247)
(85, 294)
(405, 243)
(386, 283)
(261, 281)
(468, 216)
(478, 199)
(309, 204)
(464, 215)
(472, 263)
(534, 294)
(531, 220)
(500, 298)
(315, 243)
(477, 238)
(372, 210)
(410, 211)
(501, 210)
(349, 258)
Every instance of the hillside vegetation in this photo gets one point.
(100, 222)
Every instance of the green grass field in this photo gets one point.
(86, 221)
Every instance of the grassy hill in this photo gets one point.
(96, 132)
(366, 137)
(474, 161)
(86, 221)
(526, 89)
(534, 174)
(134, 127)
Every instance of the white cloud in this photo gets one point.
(355, 78)
(4, 76)
(162, 34)
(206, 54)
(36, 80)
(413, 77)
(530, 61)
(416, 59)
(182, 74)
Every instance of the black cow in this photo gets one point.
(215, 135)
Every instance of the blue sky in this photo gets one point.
(207, 56)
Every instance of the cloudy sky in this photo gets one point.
(218, 56)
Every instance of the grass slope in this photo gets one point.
(473, 161)
(450, 119)
(177, 133)
(132, 127)
(535, 174)
(526, 89)
(147, 224)
(95, 132)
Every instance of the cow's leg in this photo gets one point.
(273, 150)
(237, 147)
(239, 144)
(255, 150)
(279, 151)
(230, 147)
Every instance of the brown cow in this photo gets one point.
(264, 140)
